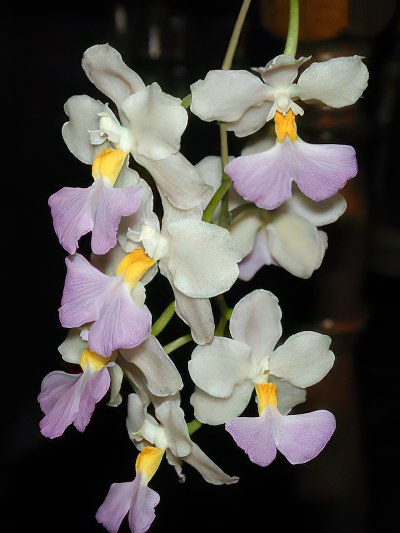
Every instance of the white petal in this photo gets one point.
(177, 179)
(304, 359)
(128, 177)
(157, 121)
(172, 418)
(256, 321)
(83, 116)
(251, 121)
(288, 395)
(210, 170)
(244, 229)
(105, 68)
(215, 411)
(281, 71)
(207, 468)
(176, 462)
(337, 82)
(144, 215)
(173, 214)
(197, 314)
(295, 244)
(73, 346)
(162, 375)
(136, 414)
(225, 95)
(202, 258)
(117, 376)
(318, 213)
(217, 367)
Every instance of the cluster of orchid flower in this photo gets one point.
(272, 221)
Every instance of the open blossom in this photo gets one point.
(299, 438)
(245, 103)
(71, 398)
(98, 208)
(150, 126)
(199, 259)
(227, 370)
(167, 433)
(289, 236)
(115, 304)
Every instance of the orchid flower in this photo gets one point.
(167, 433)
(152, 123)
(71, 398)
(299, 438)
(99, 208)
(288, 236)
(227, 370)
(114, 303)
(199, 259)
(245, 103)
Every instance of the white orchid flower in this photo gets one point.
(150, 125)
(299, 437)
(68, 398)
(109, 293)
(98, 208)
(199, 259)
(167, 433)
(227, 370)
(288, 236)
(245, 103)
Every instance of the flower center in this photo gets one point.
(266, 395)
(108, 164)
(155, 244)
(115, 133)
(285, 125)
(134, 266)
(282, 102)
(95, 361)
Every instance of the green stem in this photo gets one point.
(230, 52)
(215, 200)
(293, 29)
(224, 218)
(193, 426)
(226, 313)
(163, 320)
(186, 101)
(177, 343)
(224, 309)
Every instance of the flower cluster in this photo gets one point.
(131, 142)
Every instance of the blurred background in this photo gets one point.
(58, 485)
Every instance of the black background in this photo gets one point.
(58, 485)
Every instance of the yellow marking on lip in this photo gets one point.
(133, 267)
(108, 164)
(148, 461)
(285, 125)
(266, 394)
(94, 360)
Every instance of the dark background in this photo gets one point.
(58, 485)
